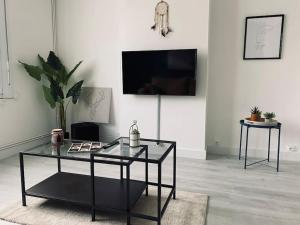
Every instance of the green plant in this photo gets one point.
(255, 110)
(259, 113)
(269, 115)
(56, 92)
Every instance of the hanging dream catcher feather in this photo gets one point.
(161, 18)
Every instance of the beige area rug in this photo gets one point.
(187, 209)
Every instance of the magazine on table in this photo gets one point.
(85, 147)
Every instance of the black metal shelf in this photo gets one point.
(76, 188)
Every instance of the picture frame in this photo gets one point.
(263, 37)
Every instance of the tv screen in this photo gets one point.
(163, 72)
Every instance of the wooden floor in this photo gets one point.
(256, 196)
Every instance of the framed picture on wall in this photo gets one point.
(263, 37)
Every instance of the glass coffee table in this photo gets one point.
(103, 193)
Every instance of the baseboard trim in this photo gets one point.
(255, 153)
(191, 153)
(18, 146)
(18, 143)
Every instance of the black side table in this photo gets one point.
(270, 127)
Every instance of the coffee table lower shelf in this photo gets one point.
(76, 188)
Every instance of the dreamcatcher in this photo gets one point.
(161, 18)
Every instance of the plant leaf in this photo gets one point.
(58, 69)
(56, 90)
(48, 70)
(33, 71)
(48, 96)
(46, 67)
(75, 91)
(62, 75)
(54, 61)
(71, 73)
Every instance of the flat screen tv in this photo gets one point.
(162, 72)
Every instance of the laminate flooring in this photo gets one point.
(258, 195)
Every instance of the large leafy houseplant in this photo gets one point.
(56, 92)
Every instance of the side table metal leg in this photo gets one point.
(146, 171)
(93, 212)
(128, 193)
(58, 159)
(159, 196)
(121, 171)
(269, 144)
(278, 150)
(241, 137)
(174, 171)
(22, 179)
(58, 166)
(245, 166)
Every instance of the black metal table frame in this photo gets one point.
(269, 127)
(160, 210)
(93, 159)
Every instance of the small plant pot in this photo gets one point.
(268, 120)
(255, 117)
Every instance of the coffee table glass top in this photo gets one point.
(156, 150)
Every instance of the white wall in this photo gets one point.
(236, 85)
(182, 118)
(29, 33)
(97, 31)
(88, 30)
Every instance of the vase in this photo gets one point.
(134, 140)
(57, 136)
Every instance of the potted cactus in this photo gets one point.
(255, 114)
(269, 117)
